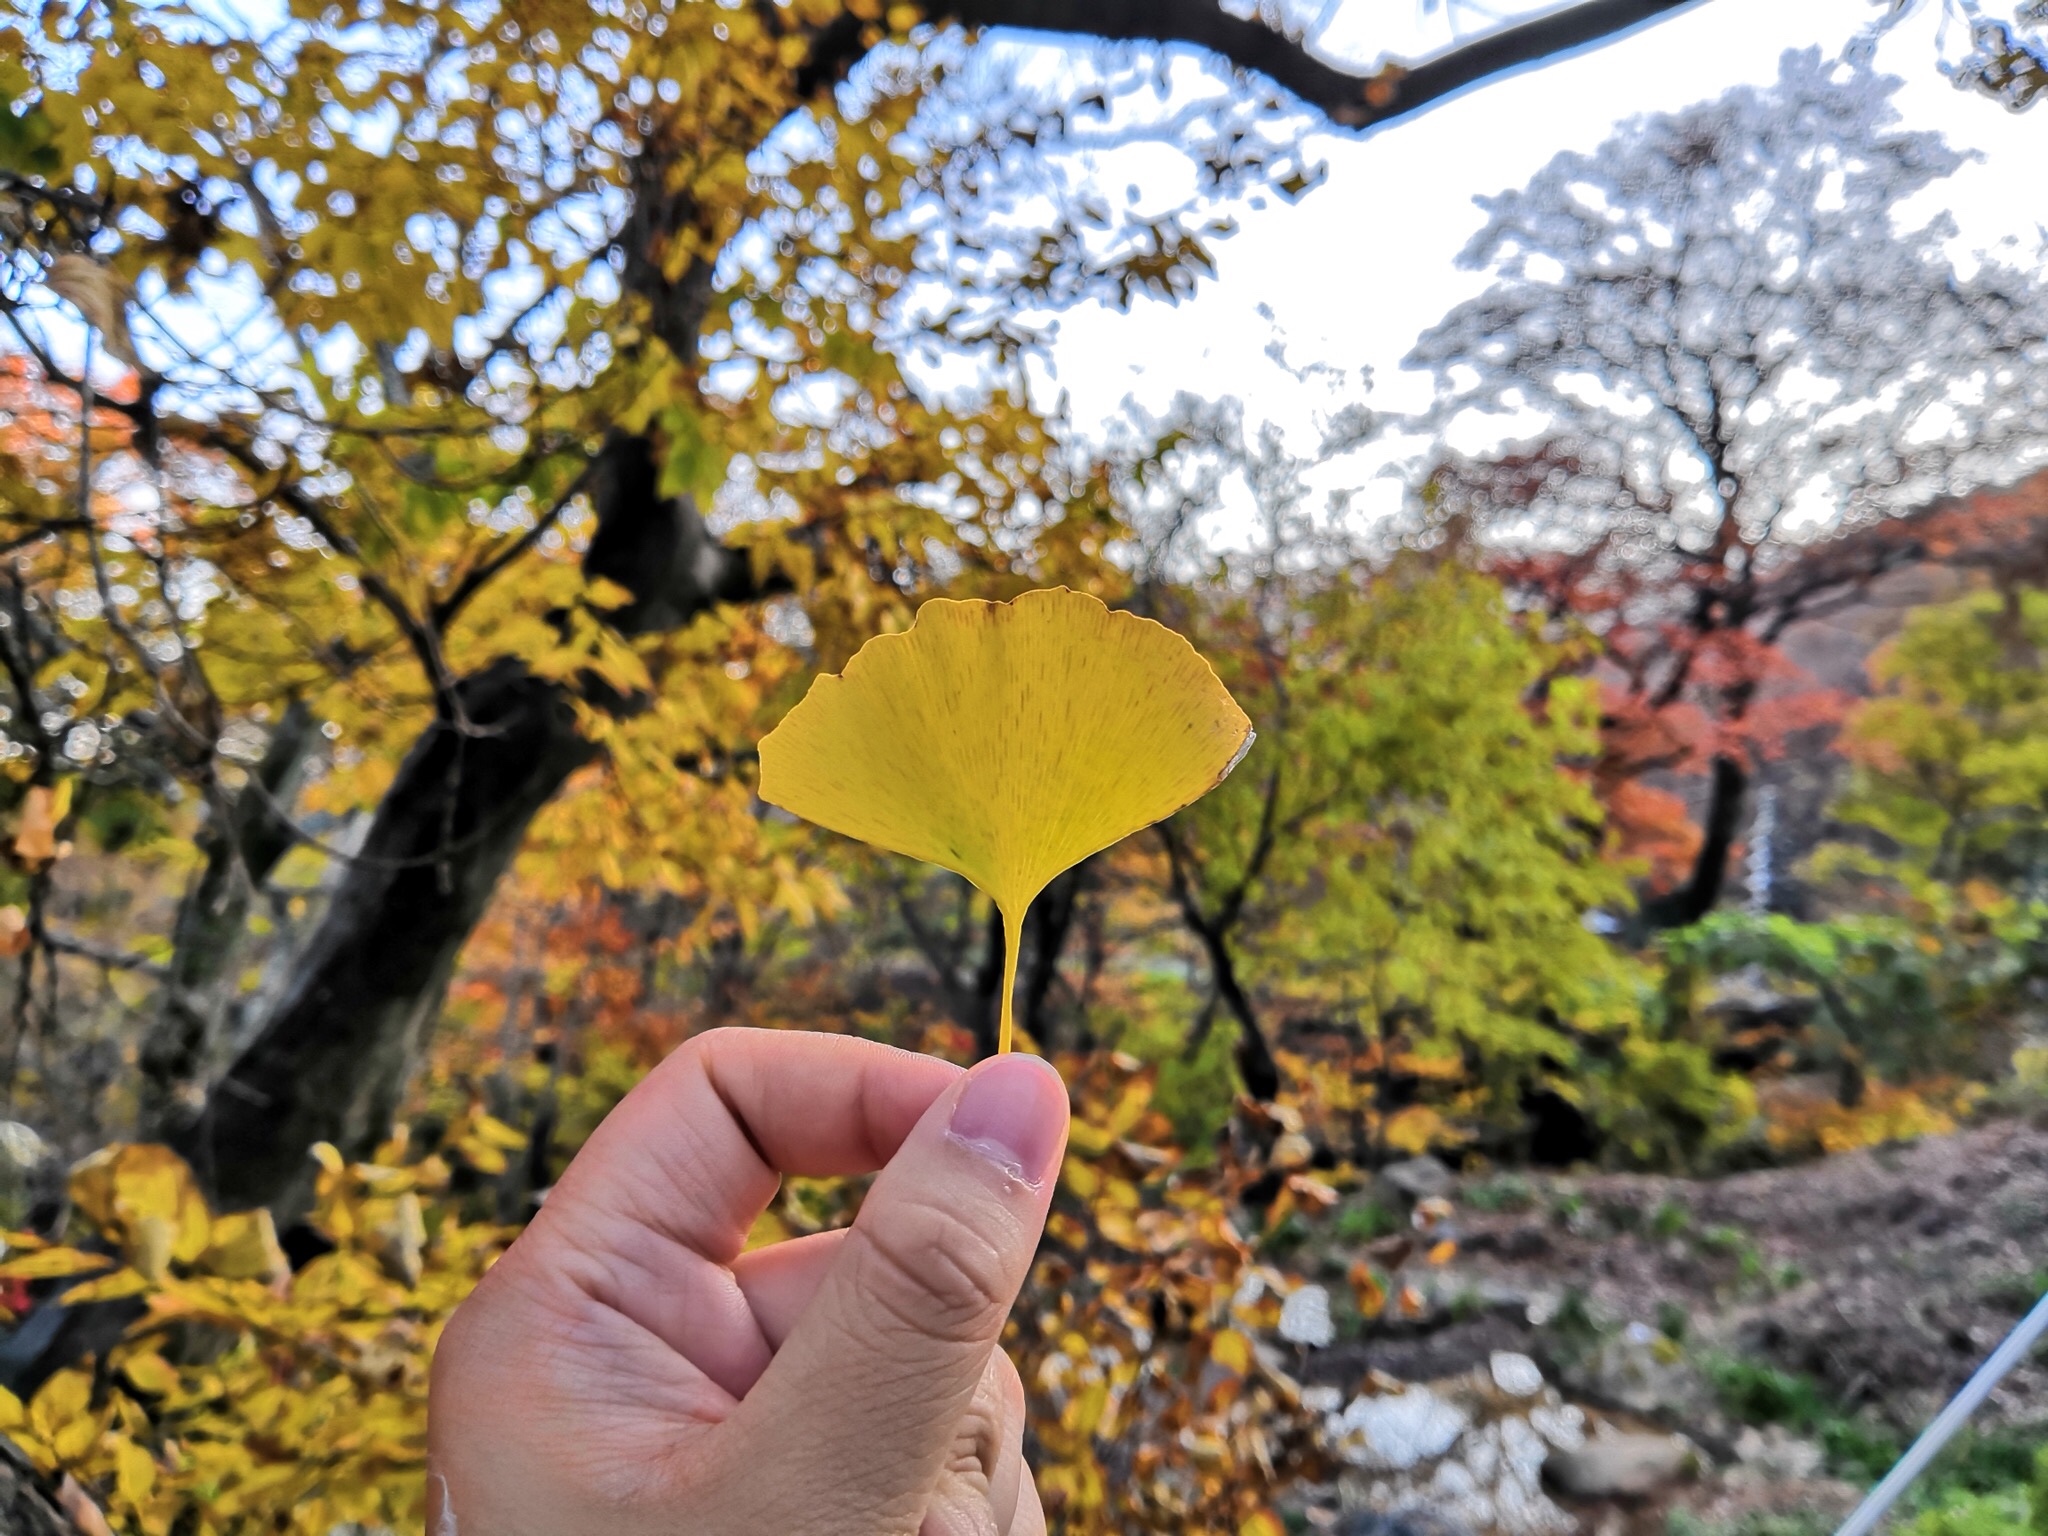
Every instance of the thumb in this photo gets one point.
(864, 1399)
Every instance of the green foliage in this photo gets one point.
(1683, 1522)
(1951, 759)
(1364, 1222)
(1756, 1393)
(1197, 1090)
(1986, 1483)
(1663, 1103)
(25, 136)
(1502, 1192)
(1887, 992)
(1670, 1219)
(1411, 847)
(1959, 1513)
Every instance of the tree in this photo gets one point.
(1711, 312)
(378, 286)
(2005, 56)
(1409, 850)
(1950, 758)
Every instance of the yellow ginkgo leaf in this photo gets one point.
(1007, 742)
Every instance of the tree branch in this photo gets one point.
(1348, 98)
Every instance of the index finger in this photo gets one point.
(697, 1150)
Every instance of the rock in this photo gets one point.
(1640, 1371)
(1620, 1466)
(1563, 1426)
(1305, 1318)
(1394, 1432)
(1516, 1375)
(23, 1147)
(1407, 1522)
(1416, 1179)
(1772, 1455)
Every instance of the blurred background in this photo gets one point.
(1587, 1069)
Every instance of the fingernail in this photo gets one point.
(1013, 1112)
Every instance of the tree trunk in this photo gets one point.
(332, 1060)
(334, 1057)
(182, 1040)
(984, 1000)
(1045, 936)
(1255, 1063)
(1697, 897)
(25, 1508)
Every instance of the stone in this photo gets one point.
(1516, 1375)
(1305, 1318)
(1620, 1466)
(1773, 1455)
(1564, 1426)
(1394, 1432)
(1417, 1179)
(1407, 1522)
(1639, 1371)
(23, 1147)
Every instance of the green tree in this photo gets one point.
(1412, 847)
(1949, 761)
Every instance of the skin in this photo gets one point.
(627, 1368)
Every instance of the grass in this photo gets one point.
(1856, 1448)
(1503, 1192)
(1670, 1219)
(1363, 1223)
(1683, 1522)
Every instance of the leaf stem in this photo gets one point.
(1013, 938)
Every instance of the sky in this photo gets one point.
(1315, 300)
(1348, 275)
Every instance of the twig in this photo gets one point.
(445, 611)
(112, 959)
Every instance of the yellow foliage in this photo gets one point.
(248, 1398)
(1800, 1121)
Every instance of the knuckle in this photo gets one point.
(934, 1275)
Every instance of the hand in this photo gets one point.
(626, 1368)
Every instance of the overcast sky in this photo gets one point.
(1354, 270)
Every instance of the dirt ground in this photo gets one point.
(1884, 1275)
(1876, 1280)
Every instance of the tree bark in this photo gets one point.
(1045, 936)
(240, 854)
(1255, 1063)
(1348, 98)
(26, 1509)
(333, 1058)
(1702, 890)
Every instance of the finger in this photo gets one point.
(967, 1500)
(1030, 1517)
(1007, 1477)
(883, 1365)
(650, 1215)
(779, 1281)
(696, 1151)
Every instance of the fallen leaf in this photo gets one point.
(1007, 742)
